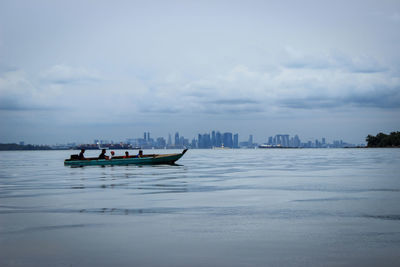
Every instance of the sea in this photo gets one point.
(227, 207)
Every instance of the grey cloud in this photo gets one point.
(334, 60)
(232, 106)
(309, 103)
(383, 99)
(15, 103)
(308, 62)
(63, 74)
(160, 109)
(237, 101)
(73, 80)
(22, 107)
(5, 69)
(242, 110)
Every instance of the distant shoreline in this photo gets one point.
(48, 148)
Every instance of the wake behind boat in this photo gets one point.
(149, 159)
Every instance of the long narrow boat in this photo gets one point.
(150, 159)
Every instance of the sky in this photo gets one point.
(75, 71)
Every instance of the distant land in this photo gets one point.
(384, 140)
(213, 140)
(24, 147)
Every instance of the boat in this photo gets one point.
(149, 159)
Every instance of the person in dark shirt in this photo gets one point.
(126, 155)
(81, 156)
(103, 154)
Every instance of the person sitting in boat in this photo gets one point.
(112, 154)
(126, 155)
(103, 154)
(140, 154)
(81, 156)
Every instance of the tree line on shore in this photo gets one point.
(384, 140)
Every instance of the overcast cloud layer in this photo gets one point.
(79, 70)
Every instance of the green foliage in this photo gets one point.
(384, 140)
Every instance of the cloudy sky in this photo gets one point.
(83, 70)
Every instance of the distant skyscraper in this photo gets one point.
(251, 140)
(285, 140)
(236, 141)
(227, 138)
(169, 140)
(144, 136)
(181, 141)
(213, 140)
(207, 141)
(323, 141)
(176, 139)
(200, 141)
(278, 140)
(148, 136)
(270, 140)
(296, 141)
(282, 140)
(204, 141)
(194, 143)
(160, 142)
(218, 139)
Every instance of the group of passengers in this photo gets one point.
(104, 156)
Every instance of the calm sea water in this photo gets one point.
(293, 207)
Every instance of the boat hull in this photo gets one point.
(146, 160)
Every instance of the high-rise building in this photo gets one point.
(236, 141)
(194, 143)
(204, 141)
(227, 140)
(213, 140)
(296, 141)
(181, 141)
(161, 142)
(200, 141)
(207, 141)
(285, 140)
(144, 136)
(218, 139)
(270, 140)
(251, 140)
(177, 139)
(282, 140)
(277, 140)
(169, 140)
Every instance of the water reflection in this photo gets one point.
(295, 204)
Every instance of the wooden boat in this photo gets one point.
(150, 159)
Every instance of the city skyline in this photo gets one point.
(173, 138)
(212, 139)
(73, 70)
(264, 138)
